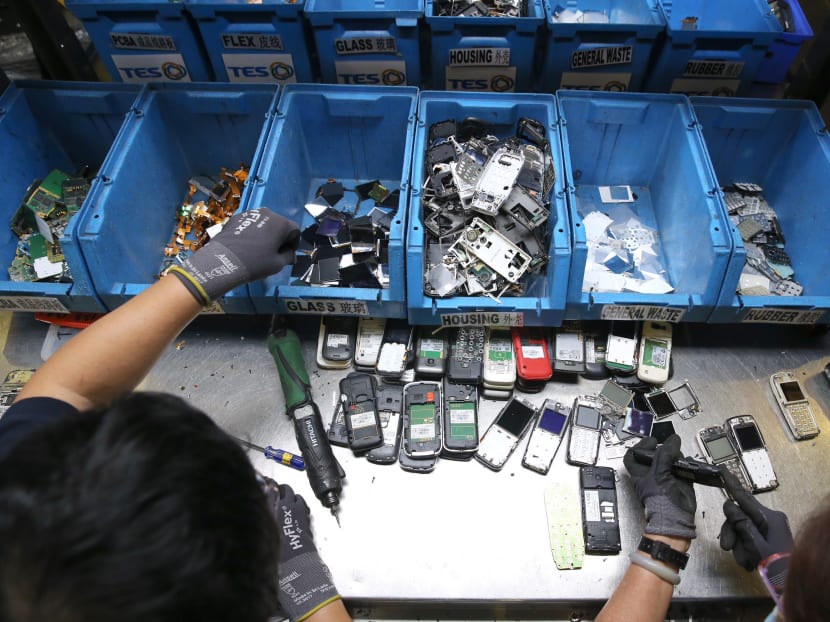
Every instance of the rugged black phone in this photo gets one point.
(595, 347)
(340, 337)
(431, 353)
(422, 419)
(600, 516)
(504, 434)
(337, 432)
(357, 393)
(460, 438)
(466, 355)
(390, 404)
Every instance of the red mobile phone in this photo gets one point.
(532, 354)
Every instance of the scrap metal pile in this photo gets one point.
(485, 208)
(481, 8)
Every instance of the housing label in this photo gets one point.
(602, 56)
(484, 318)
(479, 57)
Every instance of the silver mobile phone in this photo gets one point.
(546, 436)
(745, 434)
(504, 434)
(586, 422)
(794, 405)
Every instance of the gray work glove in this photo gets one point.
(251, 246)
(305, 583)
(669, 501)
(752, 531)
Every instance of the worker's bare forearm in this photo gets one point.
(110, 357)
(640, 597)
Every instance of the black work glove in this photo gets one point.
(251, 246)
(305, 583)
(751, 530)
(669, 501)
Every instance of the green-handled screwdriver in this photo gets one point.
(277, 455)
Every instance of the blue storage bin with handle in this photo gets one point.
(599, 45)
(784, 50)
(542, 303)
(638, 159)
(783, 147)
(712, 48)
(144, 40)
(48, 125)
(173, 134)
(350, 135)
(262, 42)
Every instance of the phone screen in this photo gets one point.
(588, 417)
(638, 422)
(462, 421)
(628, 330)
(748, 437)
(515, 417)
(552, 421)
(720, 448)
(792, 392)
(422, 422)
(617, 395)
(661, 430)
(661, 404)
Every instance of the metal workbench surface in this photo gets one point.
(465, 540)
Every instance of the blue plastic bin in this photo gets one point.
(652, 144)
(785, 48)
(352, 134)
(501, 112)
(364, 42)
(600, 57)
(783, 146)
(144, 40)
(46, 125)
(246, 42)
(484, 53)
(712, 48)
(175, 132)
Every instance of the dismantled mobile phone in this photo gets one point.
(679, 400)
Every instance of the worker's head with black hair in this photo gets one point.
(145, 511)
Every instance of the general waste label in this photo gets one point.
(260, 68)
(782, 316)
(713, 69)
(479, 57)
(366, 45)
(141, 41)
(139, 68)
(602, 56)
(595, 81)
(317, 306)
(642, 312)
(251, 41)
(483, 318)
(490, 79)
(32, 303)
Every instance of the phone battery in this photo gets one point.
(600, 516)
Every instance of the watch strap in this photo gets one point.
(663, 552)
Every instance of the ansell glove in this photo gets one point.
(251, 246)
(669, 501)
(752, 531)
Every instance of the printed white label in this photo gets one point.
(277, 68)
(32, 303)
(484, 318)
(462, 415)
(595, 81)
(533, 352)
(139, 68)
(317, 306)
(479, 57)
(697, 86)
(363, 420)
(389, 73)
(591, 503)
(141, 41)
(432, 345)
(495, 79)
(602, 56)
(713, 69)
(422, 432)
(366, 45)
(642, 312)
(783, 316)
(335, 340)
(251, 41)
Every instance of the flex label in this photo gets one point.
(260, 68)
(389, 73)
(251, 41)
(139, 68)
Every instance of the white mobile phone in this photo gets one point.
(655, 352)
(369, 339)
(746, 436)
(621, 351)
(546, 436)
(499, 371)
(794, 405)
(504, 434)
(586, 421)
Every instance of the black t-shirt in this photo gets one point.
(28, 415)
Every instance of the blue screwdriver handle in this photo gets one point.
(285, 457)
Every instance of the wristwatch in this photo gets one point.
(663, 552)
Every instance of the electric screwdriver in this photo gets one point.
(324, 472)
